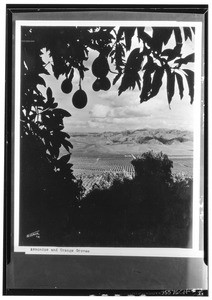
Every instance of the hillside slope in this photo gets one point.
(172, 142)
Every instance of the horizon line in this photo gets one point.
(131, 130)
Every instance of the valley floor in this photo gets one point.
(91, 168)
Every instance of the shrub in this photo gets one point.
(153, 209)
(107, 179)
(153, 165)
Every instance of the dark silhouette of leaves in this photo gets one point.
(49, 93)
(151, 86)
(170, 84)
(119, 57)
(161, 35)
(54, 150)
(116, 78)
(179, 41)
(131, 76)
(120, 34)
(190, 81)
(140, 31)
(178, 36)
(129, 33)
(157, 39)
(66, 144)
(157, 81)
(62, 112)
(138, 80)
(63, 135)
(41, 81)
(31, 80)
(65, 158)
(38, 99)
(180, 84)
(134, 60)
(172, 53)
(59, 67)
(50, 99)
(189, 58)
(187, 33)
(142, 35)
(146, 88)
(129, 80)
(69, 48)
(167, 32)
(150, 65)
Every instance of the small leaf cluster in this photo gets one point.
(154, 166)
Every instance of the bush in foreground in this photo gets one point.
(153, 209)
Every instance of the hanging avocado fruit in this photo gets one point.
(66, 85)
(105, 84)
(100, 69)
(101, 84)
(96, 85)
(79, 99)
(100, 66)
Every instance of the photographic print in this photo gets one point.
(107, 137)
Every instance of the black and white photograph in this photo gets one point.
(106, 150)
(107, 137)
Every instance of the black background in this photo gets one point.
(94, 275)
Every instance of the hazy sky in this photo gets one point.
(106, 111)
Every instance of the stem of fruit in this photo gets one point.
(80, 83)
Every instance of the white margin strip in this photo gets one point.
(100, 251)
(17, 133)
(197, 137)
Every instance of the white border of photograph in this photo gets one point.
(150, 252)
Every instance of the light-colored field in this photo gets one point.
(95, 153)
(90, 169)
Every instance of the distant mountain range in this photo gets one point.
(149, 136)
(134, 141)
